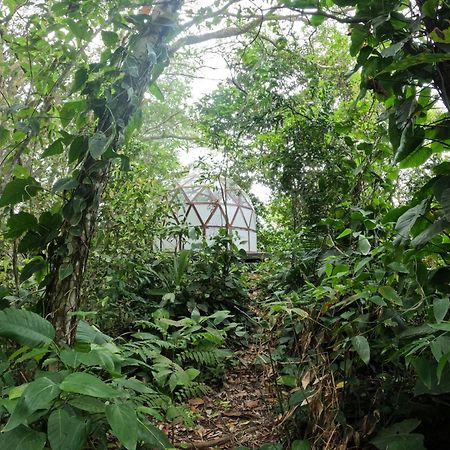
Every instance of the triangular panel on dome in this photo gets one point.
(212, 206)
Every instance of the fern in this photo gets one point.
(205, 357)
(194, 389)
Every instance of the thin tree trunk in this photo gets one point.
(69, 252)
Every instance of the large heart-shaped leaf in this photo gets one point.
(39, 394)
(26, 327)
(87, 384)
(66, 431)
(123, 421)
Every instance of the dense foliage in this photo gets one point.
(345, 119)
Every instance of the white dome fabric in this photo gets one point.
(215, 205)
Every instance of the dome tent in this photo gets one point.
(210, 206)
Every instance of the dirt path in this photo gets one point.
(241, 414)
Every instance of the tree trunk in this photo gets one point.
(68, 253)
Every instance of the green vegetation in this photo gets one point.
(341, 109)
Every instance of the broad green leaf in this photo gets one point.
(153, 436)
(399, 437)
(414, 60)
(71, 109)
(398, 267)
(156, 91)
(346, 232)
(25, 327)
(65, 184)
(20, 172)
(416, 158)
(109, 38)
(80, 78)
(35, 265)
(65, 271)
(20, 223)
(440, 308)
(363, 245)
(19, 190)
(407, 220)
(412, 138)
(66, 431)
(38, 395)
(55, 148)
(98, 144)
(22, 438)
(89, 334)
(389, 293)
(443, 326)
(429, 7)
(444, 200)
(89, 404)
(359, 35)
(124, 425)
(429, 233)
(87, 384)
(300, 445)
(317, 19)
(442, 36)
(361, 345)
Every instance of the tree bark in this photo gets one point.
(68, 253)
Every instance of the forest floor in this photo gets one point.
(241, 414)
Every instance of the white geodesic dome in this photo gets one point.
(210, 206)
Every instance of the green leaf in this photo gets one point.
(20, 223)
(429, 8)
(109, 38)
(20, 172)
(19, 190)
(65, 184)
(393, 49)
(22, 438)
(361, 345)
(79, 29)
(389, 293)
(65, 271)
(440, 308)
(156, 91)
(444, 200)
(429, 233)
(77, 149)
(412, 138)
(346, 232)
(408, 219)
(39, 394)
(71, 109)
(363, 245)
(441, 36)
(98, 144)
(87, 384)
(66, 431)
(35, 265)
(91, 335)
(414, 60)
(359, 35)
(124, 425)
(25, 327)
(416, 158)
(317, 19)
(55, 148)
(399, 436)
(300, 445)
(153, 436)
(89, 404)
(80, 78)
